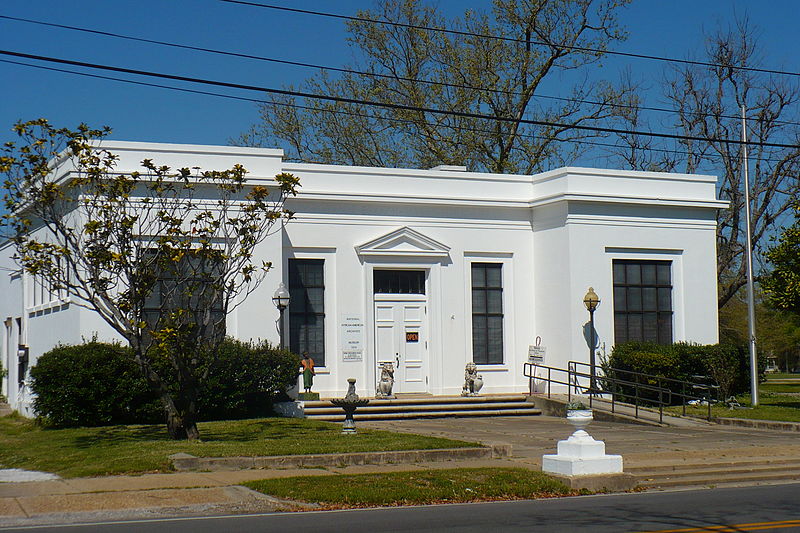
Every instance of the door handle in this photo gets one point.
(397, 359)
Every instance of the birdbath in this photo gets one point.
(349, 403)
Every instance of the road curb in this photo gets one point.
(183, 462)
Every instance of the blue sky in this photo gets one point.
(670, 28)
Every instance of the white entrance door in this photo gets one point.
(401, 337)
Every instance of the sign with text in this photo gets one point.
(412, 336)
(352, 338)
(536, 352)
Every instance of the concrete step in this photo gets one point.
(5, 409)
(399, 415)
(427, 406)
(717, 471)
(730, 477)
(425, 400)
(386, 408)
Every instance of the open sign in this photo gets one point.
(412, 336)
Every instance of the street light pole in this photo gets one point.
(591, 301)
(281, 301)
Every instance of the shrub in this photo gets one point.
(97, 384)
(724, 365)
(245, 380)
(91, 384)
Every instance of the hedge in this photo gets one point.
(97, 384)
(246, 379)
(92, 384)
(724, 365)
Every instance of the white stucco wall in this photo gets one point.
(555, 234)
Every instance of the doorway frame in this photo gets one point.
(432, 268)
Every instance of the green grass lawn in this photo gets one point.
(779, 387)
(774, 404)
(415, 488)
(782, 375)
(139, 449)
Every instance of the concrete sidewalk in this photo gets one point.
(161, 495)
(204, 493)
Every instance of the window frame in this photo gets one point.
(496, 357)
(664, 314)
(295, 292)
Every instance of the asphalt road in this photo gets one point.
(765, 508)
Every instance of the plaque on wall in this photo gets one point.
(352, 338)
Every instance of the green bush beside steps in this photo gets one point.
(724, 365)
(99, 384)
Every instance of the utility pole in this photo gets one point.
(751, 309)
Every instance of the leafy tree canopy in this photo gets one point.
(461, 71)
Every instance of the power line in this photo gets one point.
(508, 39)
(309, 108)
(387, 105)
(359, 72)
(317, 66)
(349, 113)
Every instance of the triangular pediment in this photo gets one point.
(404, 242)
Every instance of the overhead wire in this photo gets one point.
(507, 39)
(364, 73)
(350, 113)
(358, 72)
(322, 67)
(387, 105)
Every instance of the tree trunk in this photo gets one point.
(181, 423)
(181, 427)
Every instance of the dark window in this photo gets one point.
(642, 301)
(487, 313)
(307, 308)
(190, 286)
(398, 281)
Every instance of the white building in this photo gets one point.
(434, 268)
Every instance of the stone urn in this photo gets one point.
(579, 418)
(349, 404)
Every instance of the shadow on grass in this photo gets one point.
(112, 435)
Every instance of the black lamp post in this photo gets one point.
(591, 301)
(281, 301)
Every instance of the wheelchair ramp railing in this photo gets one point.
(700, 390)
(612, 390)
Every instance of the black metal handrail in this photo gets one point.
(706, 390)
(571, 382)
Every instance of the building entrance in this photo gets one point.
(401, 328)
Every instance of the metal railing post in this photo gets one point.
(683, 397)
(569, 384)
(613, 396)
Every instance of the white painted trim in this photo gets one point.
(385, 245)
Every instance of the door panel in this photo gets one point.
(401, 338)
(386, 348)
(412, 350)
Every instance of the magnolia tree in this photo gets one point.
(163, 255)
